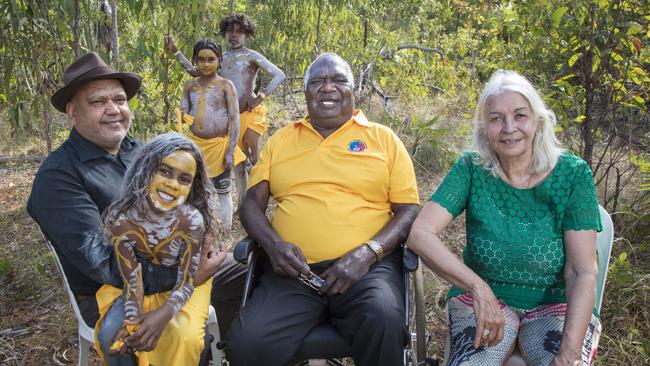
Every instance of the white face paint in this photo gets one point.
(171, 183)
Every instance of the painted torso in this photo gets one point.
(241, 66)
(211, 116)
(170, 240)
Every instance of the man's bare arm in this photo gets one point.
(287, 259)
(355, 264)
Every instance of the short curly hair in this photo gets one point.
(245, 23)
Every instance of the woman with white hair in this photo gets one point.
(528, 273)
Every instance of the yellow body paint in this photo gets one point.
(207, 64)
(171, 183)
(182, 118)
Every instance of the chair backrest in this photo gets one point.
(604, 241)
(84, 330)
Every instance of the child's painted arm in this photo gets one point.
(124, 240)
(188, 235)
(186, 103)
(277, 76)
(233, 115)
(187, 65)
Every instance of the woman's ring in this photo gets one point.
(486, 332)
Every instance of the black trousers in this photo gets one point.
(282, 310)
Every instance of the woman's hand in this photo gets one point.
(151, 326)
(489, 318)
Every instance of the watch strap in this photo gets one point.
(376, 248)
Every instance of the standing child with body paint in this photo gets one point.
(241, 66)
(165, 208)
(211, 102)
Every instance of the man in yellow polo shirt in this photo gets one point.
(346, 198)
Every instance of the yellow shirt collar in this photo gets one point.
(358, 117)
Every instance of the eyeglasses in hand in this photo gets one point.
(312, 280)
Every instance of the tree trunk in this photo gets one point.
(114, 36)
(231, 6)
(365, 29)
(45, 105)
(75, 29)
(318, 29)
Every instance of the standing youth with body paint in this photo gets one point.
(241, 66)
(164, 210)
(211, 102)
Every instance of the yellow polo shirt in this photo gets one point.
(334, 194)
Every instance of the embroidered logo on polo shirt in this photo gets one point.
(357, 146)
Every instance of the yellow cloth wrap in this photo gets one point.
(181, 342)
(214, 150)
(182, 118)
(255, 120)
(131, 328)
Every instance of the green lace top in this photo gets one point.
(515, 236)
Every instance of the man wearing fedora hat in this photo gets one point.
(81, 178)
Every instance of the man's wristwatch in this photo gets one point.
(376, 248)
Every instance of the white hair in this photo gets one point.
(348, 69)
(546, 147)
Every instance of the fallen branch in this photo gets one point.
(424, 49)
(34, 158)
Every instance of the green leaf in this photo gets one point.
(557, 15)
(640, 101)
(633, 28)
(595, 63)
(616, 57)
(573, 59)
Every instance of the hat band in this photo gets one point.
(94, 72)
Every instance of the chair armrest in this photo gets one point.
(243, 249)
(409, 260)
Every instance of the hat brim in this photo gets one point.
(130, 82)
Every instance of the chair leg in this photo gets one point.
(84, 350)
(212, 327)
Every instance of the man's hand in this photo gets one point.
(346, 271)
(211, 259)
(287, 259)
(228, 160)
(151, 326)
(253, 103)
(170, 46)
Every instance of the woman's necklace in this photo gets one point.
(530, 179)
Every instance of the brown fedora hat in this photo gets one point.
(87, 68)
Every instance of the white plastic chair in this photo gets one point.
(604, 241)
(86, 333)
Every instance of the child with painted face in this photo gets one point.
(242, 65)
(165, 208)
(210, 106)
